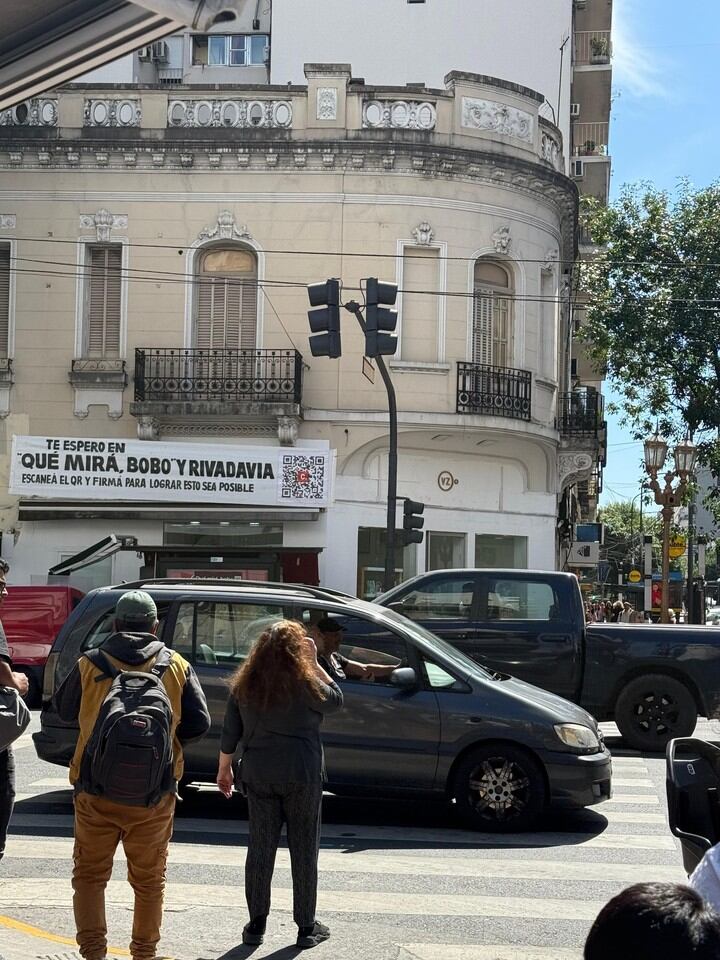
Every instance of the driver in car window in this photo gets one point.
(327, 634)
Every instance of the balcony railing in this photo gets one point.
(497, 391)
(590, 139)
(580, 413)
(592, 46)
(172, 375)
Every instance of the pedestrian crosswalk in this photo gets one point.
(411, 886)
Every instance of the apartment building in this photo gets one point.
(156, 238)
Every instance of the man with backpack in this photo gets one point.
(136, 702)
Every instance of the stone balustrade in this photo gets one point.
(470, 113)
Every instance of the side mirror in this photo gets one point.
(403, 677)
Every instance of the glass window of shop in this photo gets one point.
(445, 551)
(222, 533)
(508, 553)
(371, 562)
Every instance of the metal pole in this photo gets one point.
(647, 593)
(389, 577)
(691, 562)
(389, 572)
(667, 515)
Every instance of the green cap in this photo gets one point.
(136, 606)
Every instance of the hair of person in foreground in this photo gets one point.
(280, 667)
(655, 921)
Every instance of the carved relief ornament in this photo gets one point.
(225, 228)
(103, 222)
(502, 240)
(423, 234)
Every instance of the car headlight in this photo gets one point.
(577, 736)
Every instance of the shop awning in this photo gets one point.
(96, 551)
(45, 43)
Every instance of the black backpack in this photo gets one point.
(129, 756)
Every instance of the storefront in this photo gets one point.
(98, 511)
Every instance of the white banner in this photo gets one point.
(72, 468)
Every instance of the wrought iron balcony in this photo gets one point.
(497, 391)
(171, 375)
(580, 413)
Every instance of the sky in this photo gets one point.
(664, 126)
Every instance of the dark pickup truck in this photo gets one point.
(653, 681)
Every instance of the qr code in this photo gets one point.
(302, 477)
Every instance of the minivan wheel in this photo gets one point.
(499, 788)
(651, 710)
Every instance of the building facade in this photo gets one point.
(156, 239)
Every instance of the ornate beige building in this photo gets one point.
(155, 245)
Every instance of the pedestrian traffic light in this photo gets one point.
(413, 521)
(379, 318)
(325, 320)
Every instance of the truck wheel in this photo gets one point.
(499, 788)
(651, 710)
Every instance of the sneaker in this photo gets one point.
(254, 932)
(312, 936)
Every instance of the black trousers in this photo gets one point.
(7, 793)
(269, 806)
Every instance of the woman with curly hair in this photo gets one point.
(276, 705)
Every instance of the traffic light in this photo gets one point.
(325, 320)
(413, 521)
(378, 318)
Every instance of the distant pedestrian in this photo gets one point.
(8, 678)
(617, 610)
(136, 703)
(276, 705)
(655, 921)
(608, 611)
(626, 616)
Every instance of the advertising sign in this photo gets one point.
(73, 468)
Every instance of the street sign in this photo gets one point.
(634, 576)
(583, 554)
(368, 370)
(677, 547)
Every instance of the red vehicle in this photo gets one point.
(32, 617)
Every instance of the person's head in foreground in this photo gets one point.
(655, 921)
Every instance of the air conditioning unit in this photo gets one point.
(160, 52)
(578, 169)
(574, 110)
(145, 53)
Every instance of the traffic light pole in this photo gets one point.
(389, 574)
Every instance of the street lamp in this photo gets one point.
(667, 496)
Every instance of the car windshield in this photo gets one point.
(451, 654)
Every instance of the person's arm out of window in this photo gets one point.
(194, 714)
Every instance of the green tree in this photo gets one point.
(653, 314)
(624, 534)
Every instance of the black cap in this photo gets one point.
(328, 625)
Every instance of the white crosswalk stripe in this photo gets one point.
(491, 897)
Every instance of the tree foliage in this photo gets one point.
(653, 316)
(624, 533)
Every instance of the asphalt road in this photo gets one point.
(399, 880)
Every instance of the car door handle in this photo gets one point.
(554, 638)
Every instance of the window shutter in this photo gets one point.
(501, 347)
(482, 334)
(103, 308)
(226, 312)
(248, 316)
(4, 301)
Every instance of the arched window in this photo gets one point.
(226, 301)
(492, 315)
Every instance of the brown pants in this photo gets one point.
(100, 825)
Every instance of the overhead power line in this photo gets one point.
(181, 247)
(152, 276)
